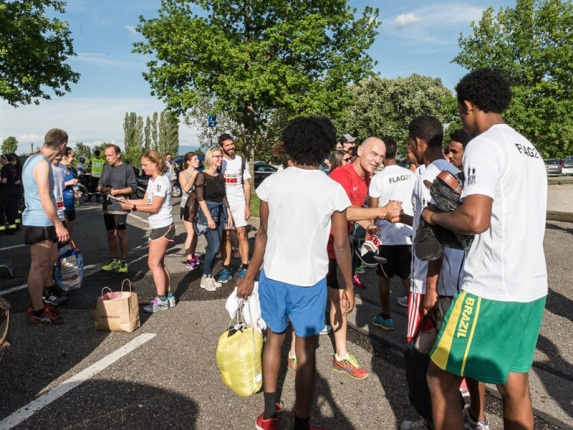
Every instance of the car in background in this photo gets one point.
(262, 171)
(553, 166)
(567, 168)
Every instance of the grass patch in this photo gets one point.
(255, 204)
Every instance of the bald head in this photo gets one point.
(371, 154)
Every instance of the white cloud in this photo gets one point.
(88, 120)
(104, 60)
(406, 19)
(131, 29)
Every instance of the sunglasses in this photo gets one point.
(347, 160)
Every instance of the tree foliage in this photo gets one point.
(382, 107)
(251, 58)
(9, 145)
(133, 138)
(531, 45)
(168, 135)
(33, 51)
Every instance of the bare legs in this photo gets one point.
(43, 256)
(156, 263)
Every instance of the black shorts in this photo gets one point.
(33, 235)
(167, 232)
(399, 261)
(332, 275)
(70, 214)
(115, 222)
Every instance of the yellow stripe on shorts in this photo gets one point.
(474, 325)
(442, 349)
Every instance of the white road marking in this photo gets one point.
(11, 290)
(12, 247)
(31, 408)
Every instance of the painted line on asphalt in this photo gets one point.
(31, 408)
(11, 290)
(12, 247)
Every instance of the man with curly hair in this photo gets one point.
(292, 244)
(490, 332)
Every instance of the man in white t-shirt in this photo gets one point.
(235, 169)
(392, 183)
(292, 243)
(491, 330)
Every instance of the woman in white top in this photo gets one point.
(189, 207)
(157, 203)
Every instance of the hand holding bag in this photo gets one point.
(117, 310)
(239, 357)
(69, 271)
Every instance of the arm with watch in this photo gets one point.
(141, 205)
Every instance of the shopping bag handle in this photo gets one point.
(106, 288)
(128, 283)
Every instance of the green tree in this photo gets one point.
(382, 107)
(147, 134)
(253, 57)
(33, 51)
(155, 131)
(9, 145)
(133, 138)
(168, 140)
(82, 150)
(531, 45)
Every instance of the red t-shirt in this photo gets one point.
(356, 188)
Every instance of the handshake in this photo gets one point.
(391, 212)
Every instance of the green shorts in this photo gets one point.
(486, 339)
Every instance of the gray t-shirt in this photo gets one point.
(117, 177)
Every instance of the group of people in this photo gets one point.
(488, 300)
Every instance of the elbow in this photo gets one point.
(478, 225)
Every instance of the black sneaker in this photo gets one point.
(52, 297)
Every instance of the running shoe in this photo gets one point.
(189, 264)
(403, 301)
(122, 267)
(54, 297)
(171, 300)
(291, 364)
(112, 266)
(350, 366)
(326, 329)
(208, 283)
(472, 424)
(196, 261)
(383, 323)
(420, 424)
(269, 424)
(241, 274)
(356, 281)
(156, 305)
(48, 318)
(224, 275)
(54, 309)
(360, 269)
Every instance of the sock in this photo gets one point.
(162, 298)
(270, 405)
(301, 423)
(39, 313)
(386, 316)
(245, 266)
(339, 358)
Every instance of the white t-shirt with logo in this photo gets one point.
(452, 261)
(160, 187)
(301, 203)
(394, 183)
(231, 170)
(507, 262)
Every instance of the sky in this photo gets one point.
(415, 36)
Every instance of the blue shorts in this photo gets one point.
(304, 307)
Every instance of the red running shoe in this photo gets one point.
(356, 281)
(270, 424)
(48, 318)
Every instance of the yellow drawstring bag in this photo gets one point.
(239, 357)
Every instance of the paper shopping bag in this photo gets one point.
(117, 310)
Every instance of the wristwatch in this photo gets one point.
(134, 208)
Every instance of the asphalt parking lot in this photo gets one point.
(164, 374)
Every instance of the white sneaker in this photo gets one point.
(471, 424)
(326, 329)
(403, 301)
(420, 424)
(208, 283)
(217, 284)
